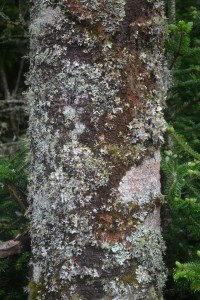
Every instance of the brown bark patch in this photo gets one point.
(136, 9)
(91, 257)
(77, 9)
(111, 237)
(116, 224)
(93, 290)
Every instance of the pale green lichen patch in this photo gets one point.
(147, 248)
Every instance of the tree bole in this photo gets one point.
(97, 88)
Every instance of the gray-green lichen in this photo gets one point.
(95, 103)
(146, 248)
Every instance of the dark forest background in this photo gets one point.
(180, 153)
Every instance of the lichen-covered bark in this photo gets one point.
(171, 11)
(96, 94)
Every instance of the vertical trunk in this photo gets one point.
(171, 11)
(96, 93)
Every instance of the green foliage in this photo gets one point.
(181, 156)
(15, 170)
(13, 274)
(13, 34)
(13, 50)
(178, 43)
(189, 272)
(181, 166)
(14, 270)
(23, 259)
(181, 27)
(181, 141)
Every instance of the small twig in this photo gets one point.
(11, 109)
(17, 195)
(193, 220)
(2, 7)
(13, 223)
(10, 143)
(21, 17)
(4, 16)
(18, 78)
(186, 104)
(3, 101)
(8, 228)
(12, 39)
(4, 83)
(177, 54)
(17, 36)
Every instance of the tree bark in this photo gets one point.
(97, 87)
(171, 11)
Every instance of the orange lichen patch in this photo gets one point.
(77, 9)
(100, 28)
(101, 32)
(139, 21)
(131, 97)
(130, 77)
(141, 24)
(136, 82)
(106, 217)
(116, 223)
(111, 237)
(102, 4)
(87, 17)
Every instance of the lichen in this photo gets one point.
(36, 289)
(96, 123)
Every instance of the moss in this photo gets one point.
(75, 296)
(56, 279)
(36, 289)
(129, 278)
(121, 154)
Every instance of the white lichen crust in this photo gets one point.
(95, 102)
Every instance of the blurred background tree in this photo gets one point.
(14, 17)
(13, 65)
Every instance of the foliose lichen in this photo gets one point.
(95, 103)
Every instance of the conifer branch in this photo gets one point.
(181, 141)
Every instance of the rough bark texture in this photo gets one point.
(96, 93)
(171, 11)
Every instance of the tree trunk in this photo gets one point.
(96, 93)
(171, 11)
